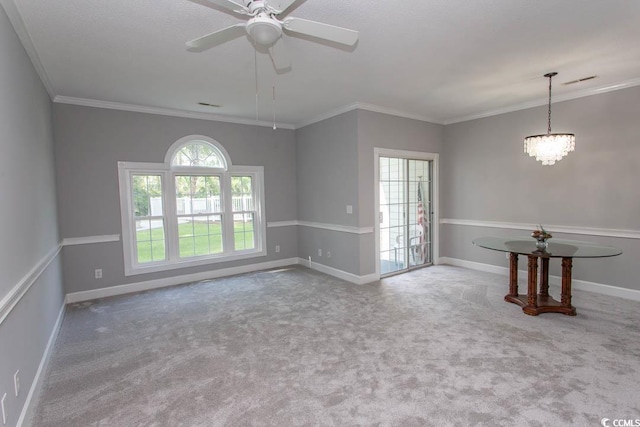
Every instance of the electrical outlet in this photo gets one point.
(4, 414)
(328, 254)
(319, 252)
(98, 273)
(16, 382)
(277, 248)
(349, 209)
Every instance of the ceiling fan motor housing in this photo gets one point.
(264, 29)
(254, 6)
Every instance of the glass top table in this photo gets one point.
(535, 303)
(556, 249)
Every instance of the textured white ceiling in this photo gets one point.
(441, 60)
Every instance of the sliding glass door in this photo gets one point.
(405, 201)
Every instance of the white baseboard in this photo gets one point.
(583, 285)
(175, 280)
(36, 385)
(340, 274)
(474, 265)
(213, 274)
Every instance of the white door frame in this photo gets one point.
(435, 198)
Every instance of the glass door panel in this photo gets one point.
(405, 214)
(393, 253)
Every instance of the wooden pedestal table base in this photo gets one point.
(535, 303)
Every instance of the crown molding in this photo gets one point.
(367, 107)
(164, 111)
(331, 113)
(15, 17)
(540, 102)
(327, 115)
(398, 113)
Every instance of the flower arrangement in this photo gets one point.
(541, 233)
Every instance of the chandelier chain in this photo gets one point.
(549, 116)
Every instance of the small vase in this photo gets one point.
(541, 243)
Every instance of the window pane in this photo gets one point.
(147, 195)
(215, 233)
(150, 243)
(198, 153)
(197, 194)
(242, 191)
(200, 235)
(243, 231)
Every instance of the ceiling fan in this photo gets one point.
(266, 30)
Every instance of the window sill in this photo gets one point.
(176, 265)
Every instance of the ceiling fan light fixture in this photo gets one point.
(550, 147)
(264, 30)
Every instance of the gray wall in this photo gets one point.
(486, 176)
(90, 142)
(327, 165)
(385, 131)
(28, 212)
(335, 162)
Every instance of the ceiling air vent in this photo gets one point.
(584, 79)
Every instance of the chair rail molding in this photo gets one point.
(13, 297)
(569, 229)
(86, 240)
(276, 224)
(336, 227)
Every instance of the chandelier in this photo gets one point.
(550, 147)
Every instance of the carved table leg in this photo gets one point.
(532, 291)
(513, 274)
(544, 278)
(565, 298)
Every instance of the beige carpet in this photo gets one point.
(436, 347)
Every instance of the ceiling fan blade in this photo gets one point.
(320, 30)
(279, 6)
(280, 56)
(216, 38)
(231, 5)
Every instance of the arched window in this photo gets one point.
(198, 151)
(194, 209)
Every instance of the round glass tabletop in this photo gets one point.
(556, 249)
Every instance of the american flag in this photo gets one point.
(422, 223)
(420, 207)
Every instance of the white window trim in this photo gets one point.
(127, 169)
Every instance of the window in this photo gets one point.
(199, 214)
(243, 211)
(194, 209)
(149, 221)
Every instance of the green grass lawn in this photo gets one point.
(195, 239)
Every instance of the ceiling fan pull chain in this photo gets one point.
(273, 107)
(255, 68)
